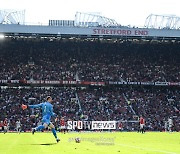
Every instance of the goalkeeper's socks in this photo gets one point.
(40, 127)
(54, 132)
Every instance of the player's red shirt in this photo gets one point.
(62, 122)
(5, 123)
(120, 125)
(142, 121)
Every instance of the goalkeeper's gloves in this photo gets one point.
(23, 106)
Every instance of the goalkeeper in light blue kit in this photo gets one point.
(47, 113)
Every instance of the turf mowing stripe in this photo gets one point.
(148, 149)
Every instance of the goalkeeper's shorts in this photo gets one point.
(46, 119)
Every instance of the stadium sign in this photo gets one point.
(83, 83)
(122, 32)
(147, 83)
(174, 83)
(161, 83)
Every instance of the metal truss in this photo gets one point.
(162, 21)
(92, 20)
(12, 17)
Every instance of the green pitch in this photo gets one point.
(91, 143)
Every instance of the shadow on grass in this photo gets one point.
(45, 144)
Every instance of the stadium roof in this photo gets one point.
(162, 21)
(88, 25)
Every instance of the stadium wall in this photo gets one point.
(90, 31)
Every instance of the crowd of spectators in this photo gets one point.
(89, 61)
(11, 100)
(83, 60)
(119, 104)
(156, 105)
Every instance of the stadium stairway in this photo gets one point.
(129, 105)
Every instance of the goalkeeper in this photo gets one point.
(47, 112)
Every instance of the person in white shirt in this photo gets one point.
(18, 126)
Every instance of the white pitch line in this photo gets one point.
(148, 149)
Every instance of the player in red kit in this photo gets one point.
(5, 125)
(142, 124)
(62, 125)
(120, 126)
